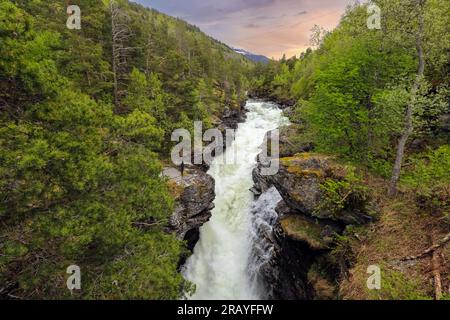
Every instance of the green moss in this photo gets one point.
(302, 157)
(298, 171)
(302, 229)
(294, 164)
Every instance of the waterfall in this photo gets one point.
(223, 264)
(264, 218)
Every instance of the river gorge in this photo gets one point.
(222, 266)
(255, 235)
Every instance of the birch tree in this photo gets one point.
(416, 18)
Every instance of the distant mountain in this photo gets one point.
(251, 56)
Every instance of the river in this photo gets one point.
(223, 264)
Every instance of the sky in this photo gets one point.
(268, 27)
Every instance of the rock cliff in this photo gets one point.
(194, 195)
(302, 266)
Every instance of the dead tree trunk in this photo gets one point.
(120, 34)
(435, 269)
(435, 265)
(433, 248)
(409, 126)
(114, 14)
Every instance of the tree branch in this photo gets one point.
(430, 250)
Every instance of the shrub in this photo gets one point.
(345, 194)
(430, 179)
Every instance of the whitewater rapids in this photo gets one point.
(221, 265)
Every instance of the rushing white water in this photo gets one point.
(220, 266)
(264, 218)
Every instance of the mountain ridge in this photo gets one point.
(251, 56)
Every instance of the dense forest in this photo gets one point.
(380, 101)
(85, 119)
(366, 94)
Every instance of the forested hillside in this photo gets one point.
(380, 101)
(86, 116)
(362, 90)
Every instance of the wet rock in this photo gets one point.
(232, 117)
(298, 243)
(194, 195)
(287, 273)
(299, 181)
(256, 192)
(282, 209)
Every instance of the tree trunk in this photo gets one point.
(435, 269)
(409, 126)
(114, 53)
(120, 35)
(115, 84)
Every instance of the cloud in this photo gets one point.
(251, 26)
(206, 11)
(233, 6)
(270, 27)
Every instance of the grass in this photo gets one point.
(402, 231)
(303, 229)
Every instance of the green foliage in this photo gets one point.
(340, 111)
(352, 91)
(79, 176)
(348, 193)
(396, 286)
(430, 179)
(342, 254)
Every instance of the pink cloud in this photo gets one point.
(269, 27)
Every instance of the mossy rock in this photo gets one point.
(306, 164)
(301, 228)
(311, 184)
(176, 189)
(300, 157)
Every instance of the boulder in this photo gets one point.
(316, 235)
(299, 182)
(194, 195)
(302, 265)
(232, 117)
